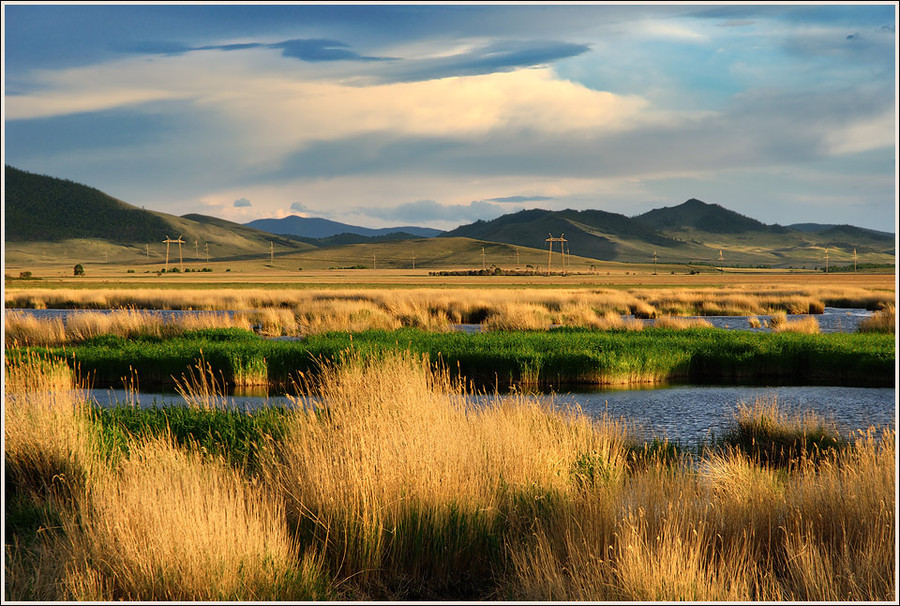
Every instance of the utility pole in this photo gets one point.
(854, 260)
(517, 257)
(196, 249)
(482, 258)
(148, 251)
(414, 260)
(272, 254)
(207, 251)
(826, 260)
(551, 240)
(721, 262)
(373, 262)
(654, 262)
(179, 242)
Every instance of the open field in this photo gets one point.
(398, 488)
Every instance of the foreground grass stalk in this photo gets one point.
(386, 481)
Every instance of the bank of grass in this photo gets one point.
(884, 320)
(386, 482)
(296, 312)
(541, 358)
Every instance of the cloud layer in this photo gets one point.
(470, 111)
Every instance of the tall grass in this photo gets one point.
(806, 324)
(164, 522)
(280, 312)
(883, 320)
(387, 481)
(410, 487)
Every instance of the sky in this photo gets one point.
(442, 114)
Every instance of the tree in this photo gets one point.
(79, 270)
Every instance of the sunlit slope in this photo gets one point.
(54, 219)
(693, 232)
(432, 253)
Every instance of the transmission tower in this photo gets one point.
(179, 242)
(561, 239)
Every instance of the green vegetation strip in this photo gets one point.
(531, 358)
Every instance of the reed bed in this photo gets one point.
(302, 312)
(779, 322)
(386, 481)
(883, 320)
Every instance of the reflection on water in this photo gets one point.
(689, 413)
(683, 413)
(834, 319)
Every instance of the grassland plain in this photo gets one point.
(396, 486)
(559, 357)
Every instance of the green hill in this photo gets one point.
(40, 208)
(54, 220)
(701, 216)
(590, 233)
(45, 209)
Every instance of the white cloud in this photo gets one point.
(862, 135)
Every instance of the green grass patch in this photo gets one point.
(561, 357)
(241, 438)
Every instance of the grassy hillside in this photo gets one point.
(48, 209)
(53, 220)
(693, 232)
(701, 216)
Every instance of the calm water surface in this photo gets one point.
(835, 319)
(684, 413)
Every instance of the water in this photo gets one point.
(684, 413)
(834, 319)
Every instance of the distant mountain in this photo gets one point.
(832, 229)
(39, 208)
(589, 233)
(312, 227)
(49, 218)
(690, 232)
(701, 216)
(346, 239)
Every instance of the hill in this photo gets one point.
(313, 227)
(50, 220)
(589, 233)
(45, 209)
(692, 232)
(701, 216)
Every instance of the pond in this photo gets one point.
(683, 413)
(834, 319)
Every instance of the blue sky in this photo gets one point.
(441, 114)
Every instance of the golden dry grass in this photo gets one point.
(280, 312)
(392, 483)
(883, 320)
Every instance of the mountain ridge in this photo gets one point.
(39, 208)
(315, 227)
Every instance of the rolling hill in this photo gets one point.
(52, 220)
(692, 232)
(313, 227)
(45, 209)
